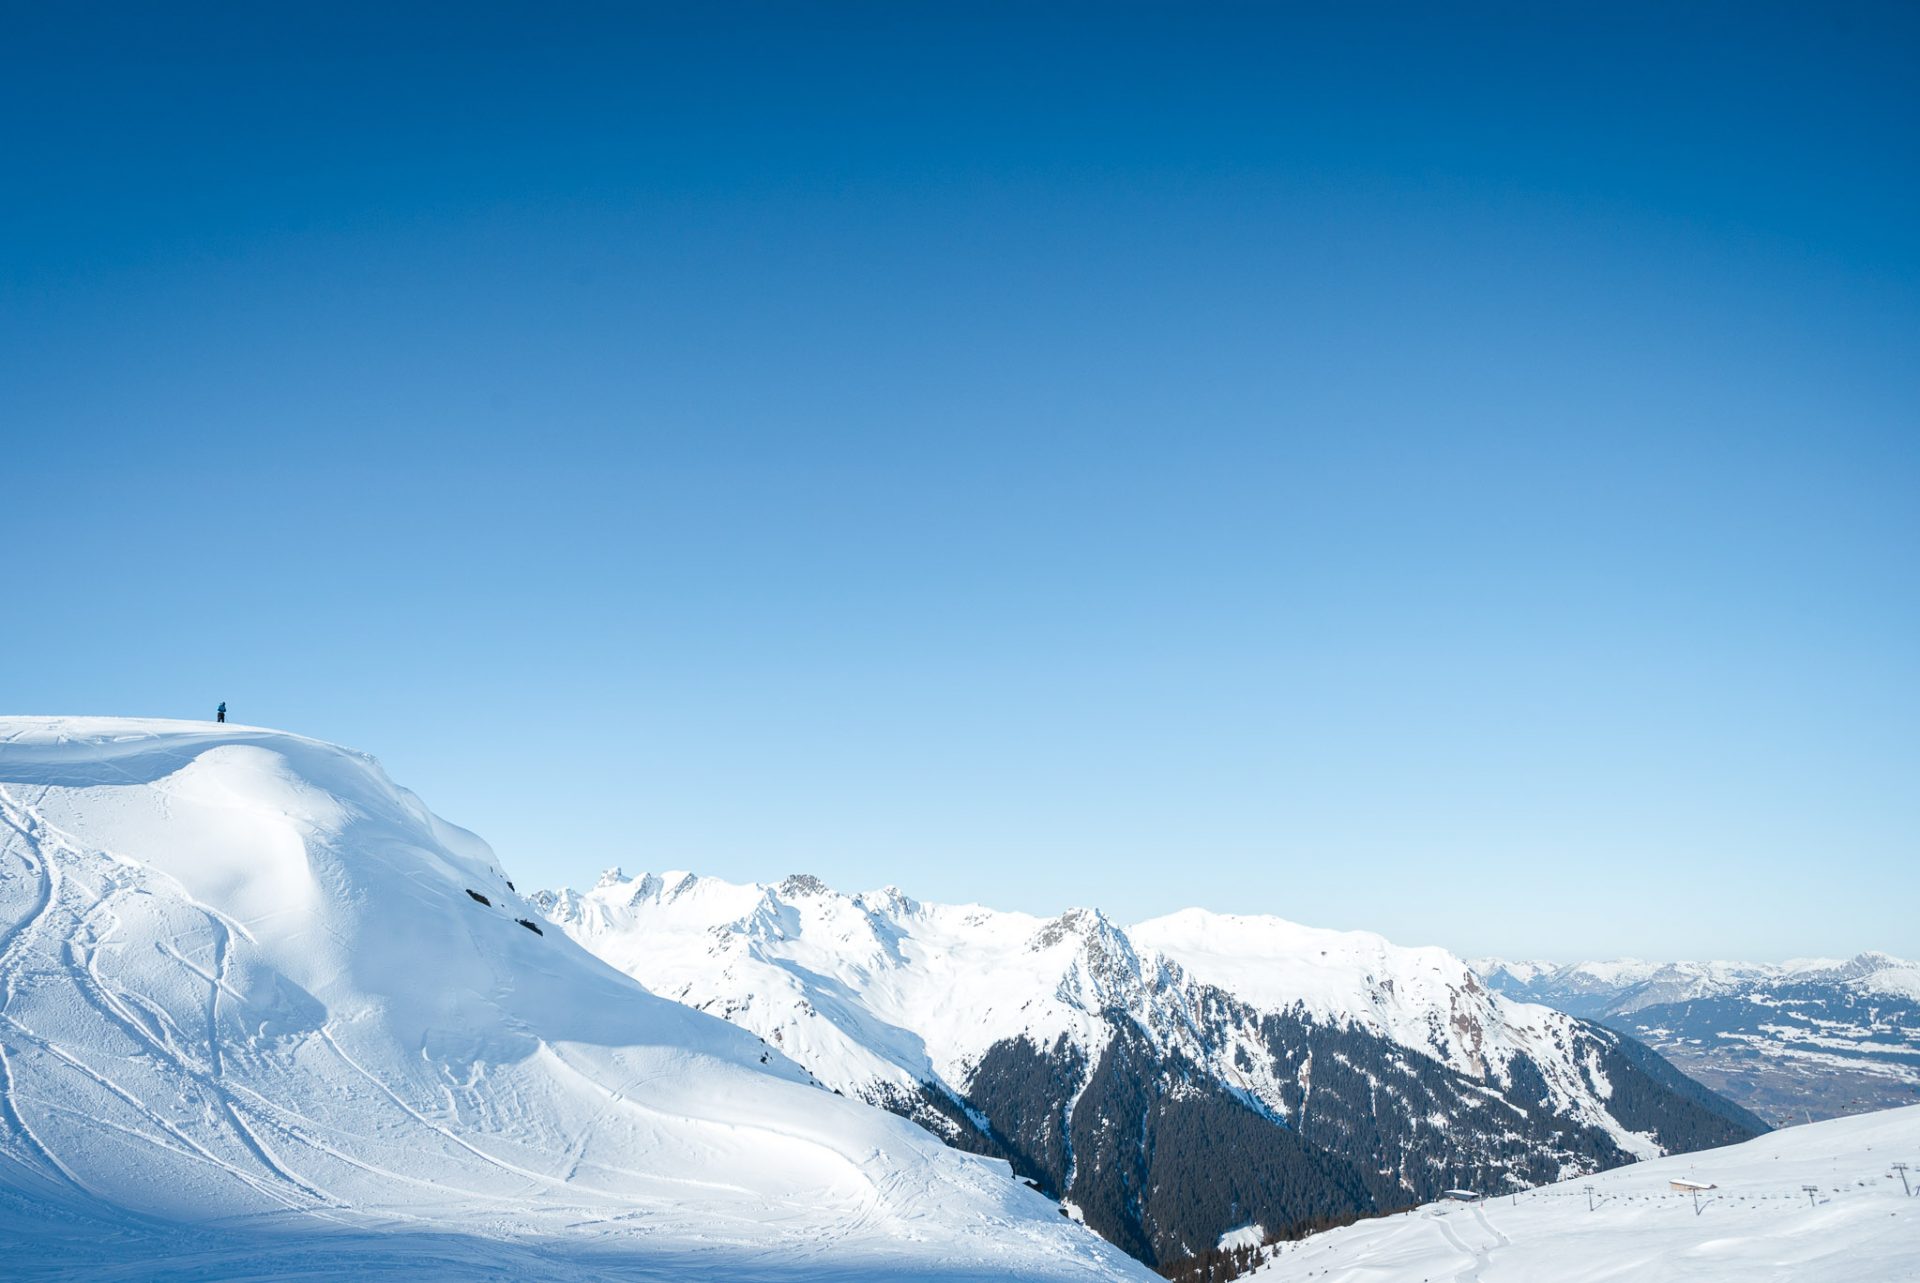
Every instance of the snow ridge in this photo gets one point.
(259, 1007)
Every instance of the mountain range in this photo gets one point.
(1180, 1084)
(1792, 1042)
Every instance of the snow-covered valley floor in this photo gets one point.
(1757, 1225)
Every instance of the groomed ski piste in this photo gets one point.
(1757, 1223)
(263, 1015)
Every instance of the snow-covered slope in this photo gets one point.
(259, 1008)
(1756, 1225)
(1813, 1038)
(989, 1026)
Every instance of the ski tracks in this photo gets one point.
(46, 891)
(145, 1023)
(1480, 1214)
(1477, 1256)
(443, 1131)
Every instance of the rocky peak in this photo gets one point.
(799, 884)
(1084, 923)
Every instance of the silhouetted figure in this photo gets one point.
(220, 713)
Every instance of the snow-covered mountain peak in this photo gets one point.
(889, 900)
(246, 979)
(1520, 971)
(1870, 961)
(1423, 997)
(1087, 928)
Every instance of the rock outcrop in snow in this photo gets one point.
(259, 1006)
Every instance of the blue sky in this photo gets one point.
(1450, 471)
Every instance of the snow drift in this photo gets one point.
(257, 1002)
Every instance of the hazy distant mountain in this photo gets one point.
(1175, 1083)
(1806, 1039)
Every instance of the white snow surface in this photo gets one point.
(877, 993)
(252, 1024)
(1250, 1235)
(1757, 1226)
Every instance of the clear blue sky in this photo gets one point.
(1451, 471)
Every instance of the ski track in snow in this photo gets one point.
(39, 834)
(439, 1129)
(1476, 1256)
(1480, 1214)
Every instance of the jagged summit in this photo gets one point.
(802, 884)
(1078, 924)
(255, 995)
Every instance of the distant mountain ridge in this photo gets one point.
(1172, 1082)
(1811, 1038)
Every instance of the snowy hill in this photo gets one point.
(1815, 1038)
(1173, 1081)
(1757, 1222)
(261, 1011)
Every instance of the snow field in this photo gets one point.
(1757, 1226)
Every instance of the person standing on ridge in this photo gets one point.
(220, 713)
